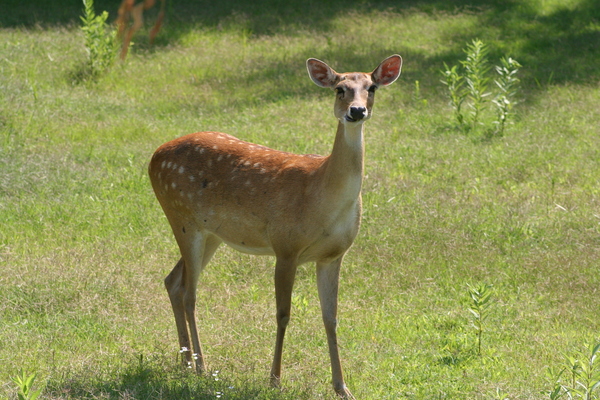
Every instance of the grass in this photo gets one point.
(84, 245)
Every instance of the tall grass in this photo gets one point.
(84, 246)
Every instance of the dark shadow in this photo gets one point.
(264, 16)
(558, 48)
(144, 382)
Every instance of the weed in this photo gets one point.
(455, 83)
(25, 384)
(507, 83)
(583, 374)
(586, 376)
(481, 296)
(500, 395)
(476, 70)
(471, 83)
(557, 391)
(100, 40)
(418, 99)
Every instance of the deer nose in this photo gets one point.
(358, 113)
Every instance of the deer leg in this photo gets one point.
(181, 284)
(328, 282)
(175, 287)
(208, 249)
(285, 273)
(123, 16)
(159, 21)
(137, 13)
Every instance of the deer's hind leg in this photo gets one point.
(175, 288)
(181, 284)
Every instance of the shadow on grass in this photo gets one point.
(554, 48)
(148, 382)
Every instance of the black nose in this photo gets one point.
(358, 113)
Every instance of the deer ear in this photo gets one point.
(388, 71)
(321, 74)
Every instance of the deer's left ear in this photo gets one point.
(388, 71)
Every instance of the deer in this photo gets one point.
(136, 11)
(216, 188)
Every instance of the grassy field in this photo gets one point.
(84, 245)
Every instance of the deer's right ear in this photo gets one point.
(321, 74)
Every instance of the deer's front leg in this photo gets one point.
(285, 273)
(328, 282)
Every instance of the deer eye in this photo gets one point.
(372, 89)
(340, 91)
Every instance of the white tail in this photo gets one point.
(215, 188)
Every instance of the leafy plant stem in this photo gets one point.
(481, 297)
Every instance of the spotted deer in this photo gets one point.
(216, 188)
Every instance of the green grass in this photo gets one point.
(84, 245)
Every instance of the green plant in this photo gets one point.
(500, 395)
(481, 299)
(455, 83)
(470, 84)
(585, 370)
(25, 384)
(557, 391)
(100, 40)
(507, 83)
(418, 100)
(476, 69)
(583, 373)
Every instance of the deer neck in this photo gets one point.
(343, 171)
